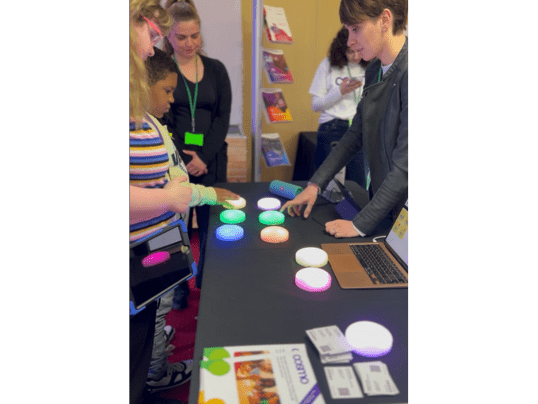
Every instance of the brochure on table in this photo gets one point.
(258, 374)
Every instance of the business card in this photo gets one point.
(329, 340)
(376, 379)
(342, 382)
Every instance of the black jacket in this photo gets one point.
(380, 128)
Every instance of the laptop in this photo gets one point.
(371, 265)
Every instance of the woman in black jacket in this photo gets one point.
(376, 30)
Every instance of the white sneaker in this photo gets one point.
(175, 375)
(169, 332)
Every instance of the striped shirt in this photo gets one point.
(148, 168)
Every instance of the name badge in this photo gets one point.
(194, 138)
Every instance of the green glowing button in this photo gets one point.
(271, 217)
(232, 216)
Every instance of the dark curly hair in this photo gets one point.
(338, 48)
(159, 66)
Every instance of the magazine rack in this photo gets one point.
(256, 110)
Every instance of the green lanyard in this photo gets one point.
(354, 95)
(380, 74)
(192, 104)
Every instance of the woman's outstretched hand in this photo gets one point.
(308, 196)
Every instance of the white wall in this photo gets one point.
(221, 31)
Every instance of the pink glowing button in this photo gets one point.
(269, 204)
(369, 339)
(156, 259)
(313, 279)
(275, 234)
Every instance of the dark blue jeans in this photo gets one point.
(333, 131)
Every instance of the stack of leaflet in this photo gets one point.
(331, 344)
(334, 348)
(258, 374)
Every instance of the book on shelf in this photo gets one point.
(276, 25)
(258, 374)
(273, 150)
(276, 109)
(275, 66)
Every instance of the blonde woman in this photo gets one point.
(148, 21)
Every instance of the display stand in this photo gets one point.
(256, 110)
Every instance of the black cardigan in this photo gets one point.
(212, 118)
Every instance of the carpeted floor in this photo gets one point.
(184, 321)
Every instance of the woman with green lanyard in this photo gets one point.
(336, 91)
(379, 128)
(200, 114)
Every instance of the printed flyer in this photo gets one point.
(258, 374)
(276, 109)
(277, 27)
(275, 66)
(273, 150)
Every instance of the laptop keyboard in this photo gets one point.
(377, 264)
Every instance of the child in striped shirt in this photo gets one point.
(154, 159)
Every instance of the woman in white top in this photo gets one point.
(336, 90)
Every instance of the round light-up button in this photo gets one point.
(311, 257)
(229, 232)
(271, 217)
(155, 259)
(269, 204)
(237, 203)
(275, 234)
(232, 216)
(369, 339)
(313, 279)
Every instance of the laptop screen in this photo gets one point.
(399, 234)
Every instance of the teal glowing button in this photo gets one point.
(271, 217)
(231, 216)
(229, 232)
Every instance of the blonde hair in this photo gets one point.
(138, 83)
(181, 11)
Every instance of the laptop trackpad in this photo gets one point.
(349, 272)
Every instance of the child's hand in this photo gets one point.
(196, 166)
(180, 195)
(223, 195)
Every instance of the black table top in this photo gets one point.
(249, 296)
